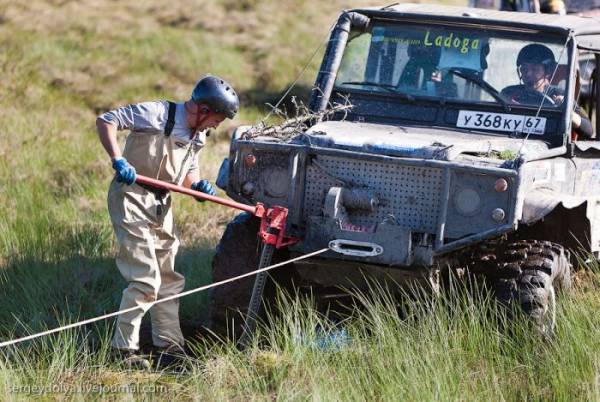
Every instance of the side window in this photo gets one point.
(353, 64)
(586, 89)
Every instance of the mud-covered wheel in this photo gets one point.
(529, 273)
(238, 252)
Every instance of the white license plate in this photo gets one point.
(513, 123)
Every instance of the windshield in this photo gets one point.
(455, 64)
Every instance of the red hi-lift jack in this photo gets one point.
(271, 233)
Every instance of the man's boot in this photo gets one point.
(172, 357)
(131, 359)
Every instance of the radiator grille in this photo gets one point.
(410, 193)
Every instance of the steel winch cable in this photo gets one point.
(150, 304)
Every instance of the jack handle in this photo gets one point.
(272, 220)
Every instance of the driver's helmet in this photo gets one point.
(537, 54)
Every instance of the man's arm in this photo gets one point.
(142, 117)
(581, 123)
(191, 178)
(107, 132)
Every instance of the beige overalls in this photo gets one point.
(143, 224)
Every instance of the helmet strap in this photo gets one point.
(201, 110)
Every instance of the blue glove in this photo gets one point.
(203, 186)
(125, 172)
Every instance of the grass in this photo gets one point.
(64, 62)
(454, 347)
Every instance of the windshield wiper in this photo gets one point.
(388, 87)
(480, 82)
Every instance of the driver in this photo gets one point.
(535, 66)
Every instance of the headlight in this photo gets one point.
(275, 182)
(467, 201)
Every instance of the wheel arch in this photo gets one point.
(567, 223)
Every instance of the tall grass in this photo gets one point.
(453, 347)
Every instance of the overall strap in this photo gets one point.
(170, 119)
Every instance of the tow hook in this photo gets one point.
(355, 248)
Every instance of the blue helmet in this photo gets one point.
(217, 94)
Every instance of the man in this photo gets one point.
(163, 143)
(535, 66)
(553, 7)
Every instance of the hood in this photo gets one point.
(414, 142)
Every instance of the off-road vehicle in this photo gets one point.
(434, 165)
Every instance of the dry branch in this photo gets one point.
(292, 127)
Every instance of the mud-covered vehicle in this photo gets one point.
(435, 165)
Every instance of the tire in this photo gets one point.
(529, 273)
(238, 252)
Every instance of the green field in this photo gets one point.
(63, 63)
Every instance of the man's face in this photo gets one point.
(212, 120)
(532, 73)
(200, 117)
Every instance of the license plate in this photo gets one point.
(513, 123)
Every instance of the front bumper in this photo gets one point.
(416, 220)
